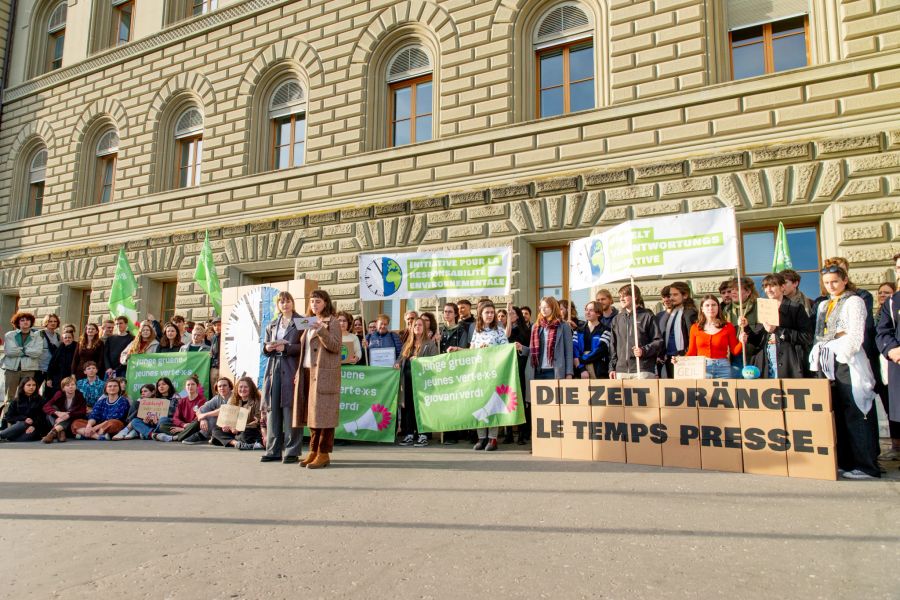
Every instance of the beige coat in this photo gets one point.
(318, 401)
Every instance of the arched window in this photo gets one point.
(56, 37)
(105, 174)
(37, 174)
(189, 147)
(564, 57)
(410, 94)
(287, 113)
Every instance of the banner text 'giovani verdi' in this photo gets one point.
(482, 271)
(683, 243)
(468, 389)
(148, 368)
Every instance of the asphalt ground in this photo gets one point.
(150, 520)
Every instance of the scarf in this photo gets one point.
(675, 321)
(551, 328)
(827, 323)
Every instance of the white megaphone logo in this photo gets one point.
(501, 401)
(376, 418)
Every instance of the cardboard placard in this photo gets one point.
(690, 367)
(607, 433)
(157, 407)
(382, 357)
(683, 424)
(723, 425)
(233, 416)
(644, 436)
(764, 439)
(767, 311)
(720, 440)
(640, 393)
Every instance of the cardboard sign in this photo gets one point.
(690, 367)
(382, 357)
(156, 407)
(767, 311)
(233, 416)
(772, 427)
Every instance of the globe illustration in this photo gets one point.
(393, 275)
(598, 258)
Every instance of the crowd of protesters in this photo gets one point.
(58, 385)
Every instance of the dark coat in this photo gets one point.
(289, 361)
(317, 402)
(793, 339)
(28, 407)
(649, 338)
(888, 338)
(61, 363)
(85, 354)
(429, 348)
(688, 318)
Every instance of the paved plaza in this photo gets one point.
(145, 520)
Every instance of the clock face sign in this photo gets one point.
(383, 276)
(245, 332)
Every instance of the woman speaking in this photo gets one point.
(318, 397)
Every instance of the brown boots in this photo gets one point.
(320, 462)
(309, 458)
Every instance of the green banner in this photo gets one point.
(468, 389)
(147, 368)
(368, 404)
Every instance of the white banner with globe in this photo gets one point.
(482, 271)
(683, 243)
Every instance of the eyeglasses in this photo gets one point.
(831, 269)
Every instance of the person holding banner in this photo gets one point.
(144, 343)
(419, 343)
(282, 347)
(839, 356)
(551, 345)
(742, 314)
(317, 399)
(488, 332)
(715, 339)
(247, 396)
(453, 334)
(784, 345)
(633, 355)
(66, 406)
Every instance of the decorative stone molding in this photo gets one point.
(425, 13)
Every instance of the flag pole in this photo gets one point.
(637, 368)
(740, 293)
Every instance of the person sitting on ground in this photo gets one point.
(782, 349)
(108, 416)
(91, 386)
(90, 349)
(67, 406)
(25, 415)
(130, 431)
(146, 427)
(171, 339)
(209, 412)
(198, 340)
(245, 395)
(184, 421)
(61, 364)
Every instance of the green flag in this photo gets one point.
(782, 258)
(121, 295)
(206, 277)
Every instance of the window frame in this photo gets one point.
(35, 188)
(206, 7)
(566, 84)
(84, 315)
(768, 49)
(273, 147)
(412, 82)
(51, 47)
(564, 285)
(104, 163)
(195, 140)
(117, 22)
(773, 228)
(166, 312)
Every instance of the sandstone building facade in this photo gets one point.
(301, 133)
